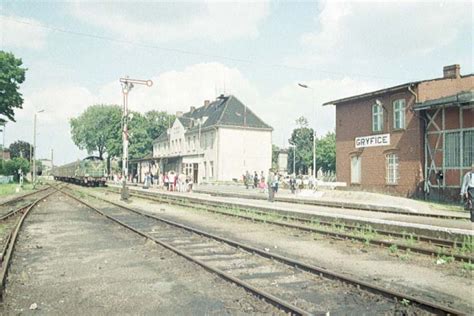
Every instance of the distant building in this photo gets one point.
(283, 161)
(412, 139)
(218, 141)
(46, 166)
(5, 154)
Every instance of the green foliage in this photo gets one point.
(21, 149)
(302, 140)
(11, 76)
(99, 129)
(468, 266)
(326, 152)
(12, 166)
(96, 127)
(393, 248)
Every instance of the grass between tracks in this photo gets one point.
(10, 188)
(443, 255)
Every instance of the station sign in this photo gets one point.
(372, 141)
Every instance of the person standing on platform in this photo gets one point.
(467, 190)
(255, 179)
(270, 184)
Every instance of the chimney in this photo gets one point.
(179, 113)
(192, 109)
(206, 102)
(452, 71)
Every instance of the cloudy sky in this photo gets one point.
(76, 52)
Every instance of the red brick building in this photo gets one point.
(412, 139)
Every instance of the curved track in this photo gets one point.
(10, 241)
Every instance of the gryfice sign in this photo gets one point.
(372, 141)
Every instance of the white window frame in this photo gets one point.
(392, 168)
(377, 117)
(356, 169)
(399, 107)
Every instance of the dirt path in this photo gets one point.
(413, 274)
(69, 260)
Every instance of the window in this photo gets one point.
(468, 148)
(392, 169)
(194, 142)
(205, 170)
(355, 169)
(399, 114)
(211, 141)
(377, 118)
(451, 149)
(211, 169)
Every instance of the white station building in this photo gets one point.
(218, 141)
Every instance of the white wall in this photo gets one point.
(240, 150)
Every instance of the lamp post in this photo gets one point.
(314, 135)
(34, 146)
(127, 85)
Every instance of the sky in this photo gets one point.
(193, 51)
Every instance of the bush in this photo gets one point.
(11, 167)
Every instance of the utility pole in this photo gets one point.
(127, 85)
(294, 159)
(52, 165)
(34, 147)
(314, 134)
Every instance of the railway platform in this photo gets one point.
(435, 223)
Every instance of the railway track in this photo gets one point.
(294, 286)
(425, 245)
(11, 237)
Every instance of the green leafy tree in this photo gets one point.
(96, 127)
(21, 149)
(302, 139)
(12, 166)
(11, 76)
(326, 152)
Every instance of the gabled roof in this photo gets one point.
(225, 111)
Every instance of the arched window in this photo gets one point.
(377, 117)
(399, 114)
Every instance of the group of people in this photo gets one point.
(177, 182)
(255, 181)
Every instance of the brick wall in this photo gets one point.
(355, 119)
(438, 88)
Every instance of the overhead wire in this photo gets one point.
(187, 52)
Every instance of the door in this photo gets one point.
(195, 172)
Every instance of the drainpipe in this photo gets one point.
(426, 188)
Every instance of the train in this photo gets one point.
(90, 171)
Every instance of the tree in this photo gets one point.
(97, 128)
(12, 166)
(21, 149)
(326, 152)
(302, 139)
(11, 76)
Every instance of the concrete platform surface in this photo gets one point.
(429, 226)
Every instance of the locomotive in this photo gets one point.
(91, 171)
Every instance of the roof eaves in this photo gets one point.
(371, 94)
